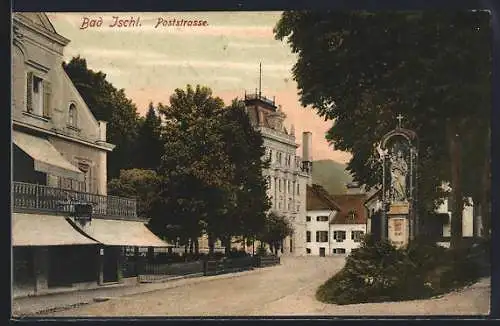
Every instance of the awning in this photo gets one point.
(47, 158)
(45, 230)
(122, 233)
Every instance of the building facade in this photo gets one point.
(336, 224)
(321, 210)
(288, 174)
(65, 229)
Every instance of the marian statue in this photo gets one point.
(399, 170)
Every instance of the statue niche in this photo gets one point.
(399, 173)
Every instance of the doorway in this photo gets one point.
(322, 252)
(110, 264)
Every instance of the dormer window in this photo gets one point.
(72, 116)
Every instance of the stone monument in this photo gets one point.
(398, 155)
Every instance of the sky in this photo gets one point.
(151, 60)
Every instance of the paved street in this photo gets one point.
(283, 290)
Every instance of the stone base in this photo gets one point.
(399, 230)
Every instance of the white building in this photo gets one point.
(439, 228)
(59, 156)
(335, 224)
(321, 209)
(288, 174)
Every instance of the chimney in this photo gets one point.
(306, 146)
(102, 130)
(306, 152)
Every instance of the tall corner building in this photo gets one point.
(288, 174)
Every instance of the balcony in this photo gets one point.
(38, 198)
(257, 96)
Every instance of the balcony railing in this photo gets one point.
(28, 196)
(257, 96)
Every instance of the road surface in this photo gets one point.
(287, 289)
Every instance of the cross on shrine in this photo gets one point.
(399, 117)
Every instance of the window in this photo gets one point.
(321, 236)
(279, 184)
(72, 116)
(322, 218)
(308, 218)
(339, 251)
(298, 188)
(289, 186)
(357, 236)
(340, 236)
(271, 155)
(308, 236)
(38, 95)
(308, 250)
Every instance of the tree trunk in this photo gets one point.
(211, 244)
(191, 245)
(196, 246)
(456, 186)
(227, 245)
(486, 190)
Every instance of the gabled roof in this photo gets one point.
(353, 210)
(317, 198)
(40, 19)
(41, 22)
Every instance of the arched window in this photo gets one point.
(72, 115)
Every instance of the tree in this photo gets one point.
(244, 146)
(149, 145)
(276, 228)
(109, 104)
(140, 184)
(196, 169)
(360, 69)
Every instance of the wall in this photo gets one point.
(314, 226)
(347, 244)
(39, 54)
(467, 219)
(290, 201)
(39, 50)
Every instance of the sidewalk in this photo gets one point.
(37, 305)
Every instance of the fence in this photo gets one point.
(266, 261)
(229, 265)
(30, 196)
(157, 272)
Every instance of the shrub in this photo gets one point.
(377, 271)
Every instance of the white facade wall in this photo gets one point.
(287, 186)
(467, 218)
(348, 244)
(313, 226)
(38, 50)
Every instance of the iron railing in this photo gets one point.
(257, 96)
(28, 196)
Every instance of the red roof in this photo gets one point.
(317, 198)
(352, 211)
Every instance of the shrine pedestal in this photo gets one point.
(398, 224)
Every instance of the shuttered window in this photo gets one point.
(47, 95)
(29, 92)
